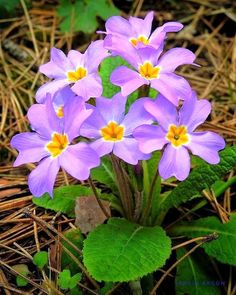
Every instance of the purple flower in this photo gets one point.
(176, 133)
(75, 68)
(137, 31)
(51, 145)
(151, 70)
(111, 130)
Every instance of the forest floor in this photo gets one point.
(25, 44)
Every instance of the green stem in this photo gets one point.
(144, 91)
(148, 207)
(90, 181)
(124, 188)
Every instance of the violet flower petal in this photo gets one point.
(44, 120)
(174, 58)
(142, 26)
(102, 147)
(118, 25)
(75, 114)
(163, 111)
(78, 159)
(158, 36)
(206, 145)
(50, 87)
(41, 180)
(76, 58)
(89, 86)
(94, 55)
(137, 116)
(112, 109)
(128, 150)
(150, 138)
(127, 79)
(172, 86)
(175, 162)
(31, 148)
(194, 112)
(124, 48)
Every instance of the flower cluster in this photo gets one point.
(72, 132)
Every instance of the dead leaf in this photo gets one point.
(89, 214)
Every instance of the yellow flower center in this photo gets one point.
(59, 112)
(112, 132)
(148, 71)
(58, 144)
(80, 73)
(141, 38)
(177, 135)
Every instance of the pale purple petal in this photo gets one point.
(78, 159)
(163, 111)
(117, 25)
(94, 55)
(112, 109)
(127, 79)
(43, 119)
(128, 150)
(89, 86)
(150, 138)
(206, 145)
(102, 147)
(175, 162)
(150, 54)
(75, 114)
(60, 59)
(76, 58)
(31, 148)
(175, 57)
(92, 125)
(172, 86)
(137, 116)
(158, 36)
(62, 97)
(41, 180)
(124, 48)
(142, 26)
(194, 112)
(52, 70)
(50, 87)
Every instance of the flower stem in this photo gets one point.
(148, 207)
(90, 181)
(144, 91)
(124, 187)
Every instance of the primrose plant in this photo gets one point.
(118, 114)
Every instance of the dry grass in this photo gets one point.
(25, 44)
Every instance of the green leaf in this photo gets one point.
(10, 6)
(121, 251)
(195, 276)
(65, 281)
(223, 248)
(40, 259)
(21, 282)
(82, 15)
(24, 270)
(104, 174)
(75, 279)
(75, 236)
(107, 67)
(202, 177)
(63, 199)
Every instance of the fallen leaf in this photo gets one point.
(89, 214)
